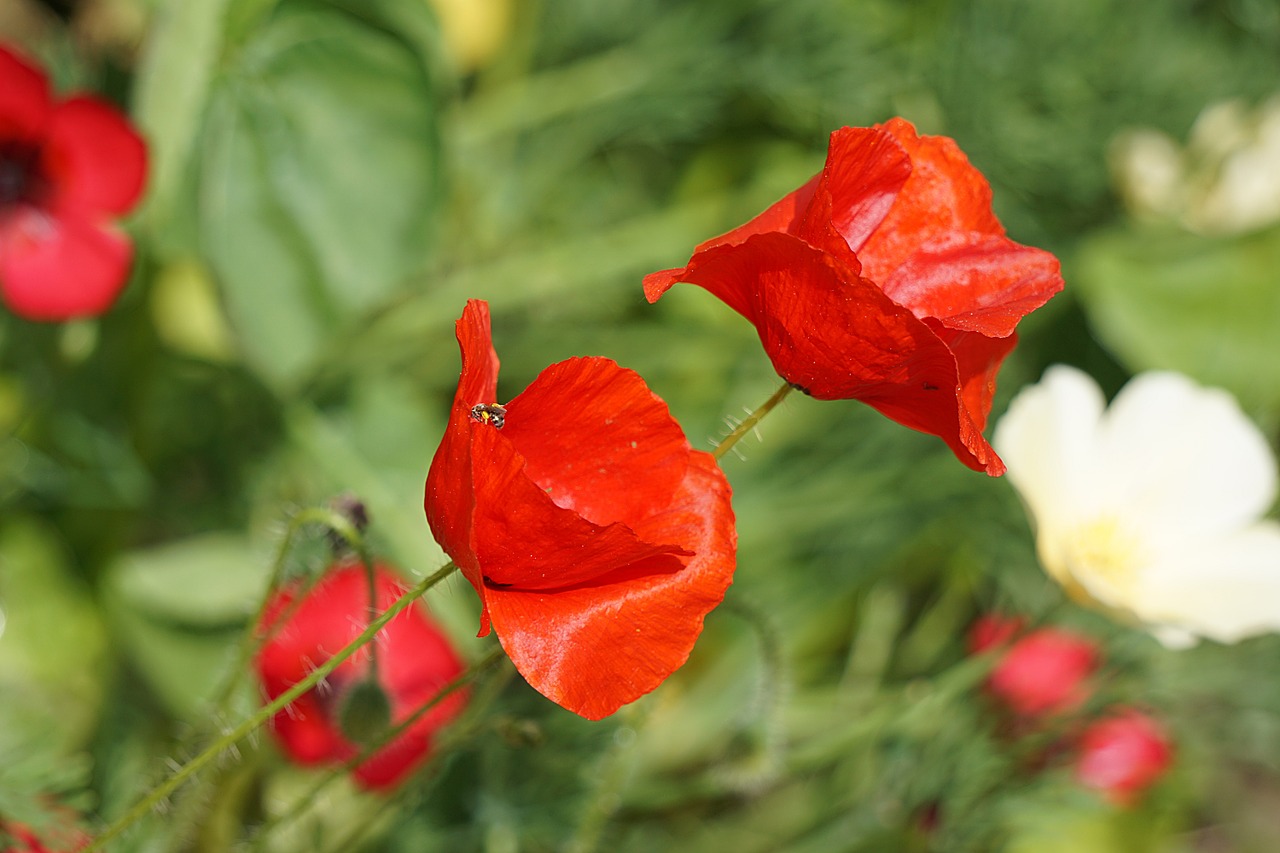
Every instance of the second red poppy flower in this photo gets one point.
(596, 537)
(886, 279)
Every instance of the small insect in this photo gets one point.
(491, 413)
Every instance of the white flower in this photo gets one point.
(1153, 507)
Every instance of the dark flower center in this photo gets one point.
(21, 178)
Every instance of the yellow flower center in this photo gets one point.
(1103, 552)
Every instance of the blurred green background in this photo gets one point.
(332, 179)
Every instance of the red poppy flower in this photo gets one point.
(414, 661)
(886, 279)
(596, 537)
(1121, 756)
(1044, 672)
(67, 169)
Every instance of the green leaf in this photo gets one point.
(52, 646)
(171, 90)
(180, 608)
(319, 182)
(1206, 307)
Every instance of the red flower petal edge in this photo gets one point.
(595, 536)
(415, 661)
(67, 170)
(1123, 755)
(886, 279)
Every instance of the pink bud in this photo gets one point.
(1045, 672)
(1122, 755)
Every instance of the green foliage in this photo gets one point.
(1166, 299)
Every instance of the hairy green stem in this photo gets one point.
(231, 738)
(300, 805)
(751, 420)
(249, 639)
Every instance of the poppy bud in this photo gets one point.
(1122, 755)
(364, 711)
(1044, 672)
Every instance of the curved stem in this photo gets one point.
(231, 738)
(750, 423)
(336, 522)
(392, 732)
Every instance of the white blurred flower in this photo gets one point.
(1225, 181)
(1151, 508)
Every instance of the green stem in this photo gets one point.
(231, 738)
(249, 639)
(751, 420)
(300, 805)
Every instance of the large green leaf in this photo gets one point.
(1209, 308)
(319, 181)
(181, 607)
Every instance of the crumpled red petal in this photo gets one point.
(865, 347)
(58, 267)
(886, 278)
(587, 513)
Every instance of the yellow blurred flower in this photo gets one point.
(475, 30)
(1151, 508)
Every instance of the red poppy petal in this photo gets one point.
(450, 497)
(392, 764)
(522, 539)
(95, 159)
(658, 283)
(783, 215)
(597, 440)
(57, 268)
(594, 649)
(24, 98)
(828, 331)
(866, 168)
(306, 734)
(979, 283)
(944, 195)
(978, 359)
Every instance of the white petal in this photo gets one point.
(1185, 460)
(1223, 588)
(1047, 440)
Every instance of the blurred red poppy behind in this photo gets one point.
(1045, 672)
(596, 537)
(886, 279)
(414, 662)
(68, 168)
(19, 838)
(1123, 755)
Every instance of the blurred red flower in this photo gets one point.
(1122, 755)
(19, 838)
(415, 660)
(886, 279)
(993, 629)
(1044, 672)
(596, 537)
(67, 169)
